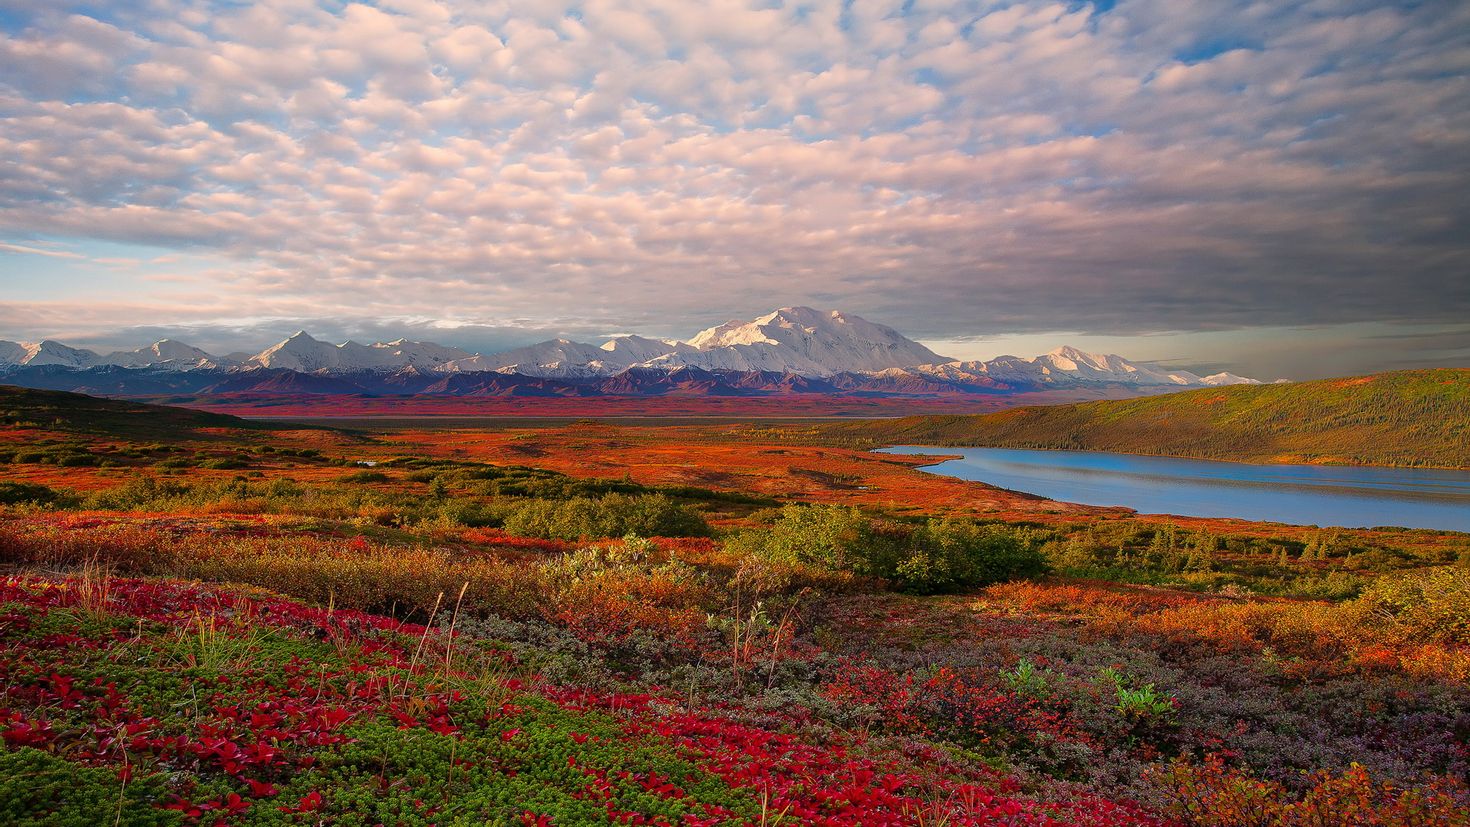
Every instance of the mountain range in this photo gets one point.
(792, 350)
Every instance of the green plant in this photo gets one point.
(15, 493)
(1027, 679)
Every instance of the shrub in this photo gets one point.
(136, 492)
(1426, 604)
(829, 536)
(938, 556)
(226, 464)
(1215, 795)
(615, 515)
(958, 554)
(76, 460)
(16, 493)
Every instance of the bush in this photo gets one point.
(615, 515)
(1427, 604)
(227, 464)
(957, 554)
(938, 556)
(136, 492)
(829, 536)
(16, 493)
(76, 460)
(366, 477)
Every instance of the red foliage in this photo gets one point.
(834, 786)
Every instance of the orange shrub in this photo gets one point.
(1214, 795)
(1320, 637)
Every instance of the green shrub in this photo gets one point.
(76, 460)
(1425, 604)
(226, 464)
(830, 536)
(16, 493)
(950, 554)
(136, 493)
(615, 515)
(37, 788)
(938, 556)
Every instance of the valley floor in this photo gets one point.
(689, 624)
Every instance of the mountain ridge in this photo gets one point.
(790, 341)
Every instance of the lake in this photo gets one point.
(1350, 497)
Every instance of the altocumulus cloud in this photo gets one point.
(949, 167)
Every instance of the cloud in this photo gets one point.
(952, 168)
(37, 251)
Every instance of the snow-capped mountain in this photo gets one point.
(11, 353)
(45, 352)
(557, 357)
(1065, 367)
(840, 349)
(1227, 378)
(803, 341)
(303, 353)
(422, 355)
(163, 352)
(636, 350)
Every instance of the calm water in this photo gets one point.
(1300, 494)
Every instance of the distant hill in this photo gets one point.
(1414, 417)
(79, 413)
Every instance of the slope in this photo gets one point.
(1416, 417)
(79, 413)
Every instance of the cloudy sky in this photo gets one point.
(1274, 187)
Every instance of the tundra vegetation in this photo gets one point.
(1406, 418)
(215, 623)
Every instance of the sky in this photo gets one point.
(1275, 188)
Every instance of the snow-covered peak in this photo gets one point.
(1069, 366)
(804, 341)
(554, 357)
(734, 332)
(46, 352)
(1227, 378)
(11, 353)
(405, 353)
(299, 352)
(634, 349)
(302, 352)
(790, 340)
(162, 353)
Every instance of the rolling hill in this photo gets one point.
(79, 413)
(1412, 418)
